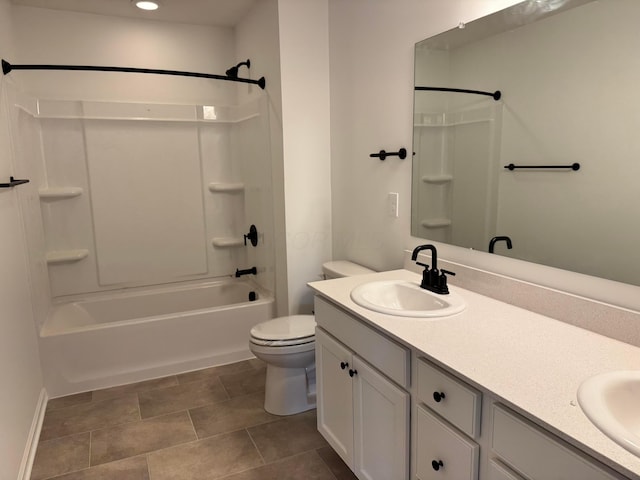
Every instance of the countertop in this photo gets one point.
(532, 363)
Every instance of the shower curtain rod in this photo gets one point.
(7, 67)
(496, 95)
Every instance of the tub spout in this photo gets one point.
(248, 271)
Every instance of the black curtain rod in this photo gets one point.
(7, 67)
(496, 95)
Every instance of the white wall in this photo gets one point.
(304, 60)
(371, 46)
(257, 39)
(20, 374)
(44, 36)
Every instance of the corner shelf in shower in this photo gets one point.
(66, 256)
(437, 179)
(59, 193)
(227, 242)
(435, 223)
(226, 187)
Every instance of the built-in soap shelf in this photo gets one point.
(59, 193)
(435, 223)
(226, 187)
(437, 179)
(227, 242)
(66, 256)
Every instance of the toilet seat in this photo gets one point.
(285, 331)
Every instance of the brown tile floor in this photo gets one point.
(202, 425)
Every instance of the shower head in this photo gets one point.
(233, 71)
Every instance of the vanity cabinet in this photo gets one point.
(361, 413)
(447, 414)
(366, 390)
(534, 453)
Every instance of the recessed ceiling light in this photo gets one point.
(146, 5)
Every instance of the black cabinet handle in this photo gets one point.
(437, 396)
(344, 365)
(352, 372)
(437, 464)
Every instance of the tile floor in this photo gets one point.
(203, 425)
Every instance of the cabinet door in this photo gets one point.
(381, 426)
(334, 395)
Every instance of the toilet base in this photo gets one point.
(289, 390)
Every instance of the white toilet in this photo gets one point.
(287, 346)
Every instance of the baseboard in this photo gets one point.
(34, 436)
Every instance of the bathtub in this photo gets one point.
(110, 339)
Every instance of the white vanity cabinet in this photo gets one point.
(447, 421)
(535, 453)
(361, 413)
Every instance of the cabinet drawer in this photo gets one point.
(499, 472)
(389, 357)
(536, 454)
(455, 456)
(454, 400)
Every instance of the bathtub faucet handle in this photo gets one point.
(252, 236)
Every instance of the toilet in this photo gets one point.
(287, 345)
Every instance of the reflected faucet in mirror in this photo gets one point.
(433, 279)
(495, 240)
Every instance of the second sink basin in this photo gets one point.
(612, 402)
(406, 299)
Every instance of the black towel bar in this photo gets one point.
(402, 153)
(573, 166)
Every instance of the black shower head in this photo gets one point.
(233, 71)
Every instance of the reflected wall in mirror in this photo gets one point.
(569, 73)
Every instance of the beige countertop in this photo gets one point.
(532, 363)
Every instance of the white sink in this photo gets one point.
(406, 299)
(612, 402)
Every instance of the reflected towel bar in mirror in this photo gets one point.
(573, 166)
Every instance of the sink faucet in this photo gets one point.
(433, 279)
(494, 240)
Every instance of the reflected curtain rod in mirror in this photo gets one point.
(571, 70)
(495, 95)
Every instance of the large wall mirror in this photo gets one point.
(569, 75)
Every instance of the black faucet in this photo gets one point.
(248, 271)
(494, 240)
(433, 279)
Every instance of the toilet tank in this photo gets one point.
(343, 268)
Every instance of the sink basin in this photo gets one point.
(612, 402)
(406, 299)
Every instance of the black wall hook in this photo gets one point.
(402, 153)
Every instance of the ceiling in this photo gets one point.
(219, 13)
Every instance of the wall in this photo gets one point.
(20, 375)
(371, 51)
(55, 37)
(371, 45)
(257, 39)
(304, 60)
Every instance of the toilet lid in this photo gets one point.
(285, 328)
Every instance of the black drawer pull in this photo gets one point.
(438, 396)
(437, 464)
(344, 365)
(352, 372)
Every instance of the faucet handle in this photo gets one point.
(443, 271)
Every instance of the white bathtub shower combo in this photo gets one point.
(116, 338)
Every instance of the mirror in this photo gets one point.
(569, 75)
